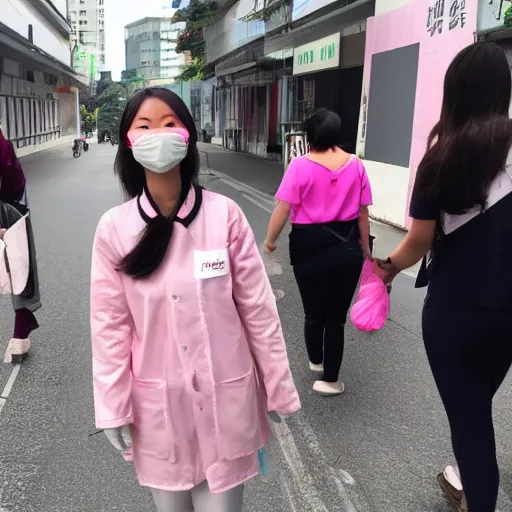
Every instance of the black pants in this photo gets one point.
(327, 283)
(470, 352)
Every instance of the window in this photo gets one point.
(83, 22)
(82, 2)
(100, 2)
(83, 13)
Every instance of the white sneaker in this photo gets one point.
(328, 388)
(316, 368)
(16, 350)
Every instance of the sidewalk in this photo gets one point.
(265, 176)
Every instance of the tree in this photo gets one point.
(112, 102)
(131, 79)
(89, 119)
(197, 15)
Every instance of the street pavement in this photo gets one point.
(377, 448)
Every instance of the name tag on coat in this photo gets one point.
(210, 264)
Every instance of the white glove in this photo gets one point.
(120, 437)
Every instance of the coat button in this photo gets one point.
(175, 298)
(184, 348)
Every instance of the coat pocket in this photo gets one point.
(243, 427)
(152, 430)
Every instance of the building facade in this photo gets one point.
(277, 63)
(87, 19)
(39, 90)
(409, 46)
(150, 46)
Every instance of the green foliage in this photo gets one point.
(88, 119)
(508, 17)
(196, 70)
(132, 80)
(197, 15)
(103, 83)
(112, 102)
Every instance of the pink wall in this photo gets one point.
(406, 26)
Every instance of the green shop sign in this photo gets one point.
(321, 54)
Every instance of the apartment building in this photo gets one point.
(87, 19)
(150, 46)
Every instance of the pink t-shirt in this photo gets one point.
(319, 195)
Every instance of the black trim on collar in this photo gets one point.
(188, 219)
(195, 209)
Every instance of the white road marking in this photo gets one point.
(304, 483)
(257, 202)
(10, 383)
(8, 387)
(338, 476)
(287, 492)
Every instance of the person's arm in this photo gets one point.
(287, 195)
(364, 230)
(256, 305)
(112, 334)
(412, 249)
(277, 223)
(366, 200)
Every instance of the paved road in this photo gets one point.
(378, 448)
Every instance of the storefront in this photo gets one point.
(495, 24)
(408, 50)
(326, 75)
(304, 85)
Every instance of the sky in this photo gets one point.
(119, 14)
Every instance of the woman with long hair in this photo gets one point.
(326, 194)
(461, 210)
(188, 352)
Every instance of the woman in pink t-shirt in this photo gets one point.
(326, 194)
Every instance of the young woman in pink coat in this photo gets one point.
(188, 352)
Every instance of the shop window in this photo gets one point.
(391, 102)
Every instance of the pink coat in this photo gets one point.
(194, 355)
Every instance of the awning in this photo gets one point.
(14, 47)
(321, 27)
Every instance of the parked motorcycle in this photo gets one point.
(80, 145)
(77, 148)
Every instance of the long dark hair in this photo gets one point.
(147, 255)
(469, 145)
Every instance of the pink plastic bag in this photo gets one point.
(371, 308)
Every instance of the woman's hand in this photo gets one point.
(385, 270)
(2, 231)
(366, 251)
(269, 246)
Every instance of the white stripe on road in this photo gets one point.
(338, 476)
(304, 483)
(8, 387)
(255, 201)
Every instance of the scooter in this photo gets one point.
(77, 148)
(79, 145)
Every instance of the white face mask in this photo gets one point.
(160, 152)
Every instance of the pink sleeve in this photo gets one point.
(257, 308)
(111, 331)
(366, 189)
(289, 190)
